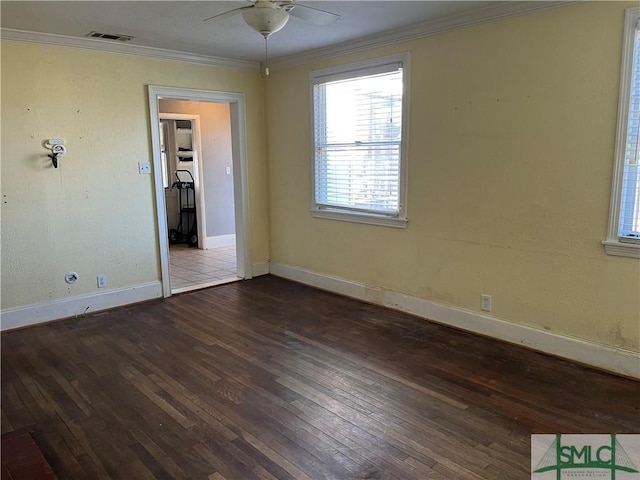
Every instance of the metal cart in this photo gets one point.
(187, 230)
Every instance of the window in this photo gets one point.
(623, 237)
(359, 132)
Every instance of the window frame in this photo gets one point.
(315, 77)
(614, 245)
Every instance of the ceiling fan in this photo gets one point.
(269, 16)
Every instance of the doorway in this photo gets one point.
(221, 253)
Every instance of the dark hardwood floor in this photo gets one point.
(268, 379)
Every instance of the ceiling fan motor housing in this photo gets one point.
(265, 17)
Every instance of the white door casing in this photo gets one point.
(237, 107)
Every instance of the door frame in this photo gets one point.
(198, 168)
(237, 107)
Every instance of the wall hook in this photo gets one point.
(57, 150)
(54, 159)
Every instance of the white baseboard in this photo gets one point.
(70, 307)
(616, 360)
(261, 268)
(220, 241)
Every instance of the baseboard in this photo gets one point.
(259, 269)
(70, 307)
(604, 357)
(220, 241)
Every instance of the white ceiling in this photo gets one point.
(179, 25)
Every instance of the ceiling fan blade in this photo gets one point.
(228, 14)
(313, 15)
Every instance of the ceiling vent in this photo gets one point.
(109, 36)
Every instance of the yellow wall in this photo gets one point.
(511, 144)
(96, 214)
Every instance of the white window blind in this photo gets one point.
(358, 140)
(629, 229)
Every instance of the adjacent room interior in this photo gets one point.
(197, 162)
(207, 272)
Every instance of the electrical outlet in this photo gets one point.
(485, 302)
(102, 281)
(144, 168)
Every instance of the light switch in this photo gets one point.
(228, 170)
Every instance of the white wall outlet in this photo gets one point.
(485, 302)
(144, 168)
(71, 278)
(228, 170)
(102, 281)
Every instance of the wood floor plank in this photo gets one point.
(269, 379)
(216, 476)
(5, 424)
(276, 457)
(146, 387)
(374, 454)
(138, 425)
(67, 460)
(15, 409)
(383, 372)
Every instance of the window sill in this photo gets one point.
(360, 218)
(621, 249)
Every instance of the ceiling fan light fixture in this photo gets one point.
(265, 20)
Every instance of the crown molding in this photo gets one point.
(24, 36)
(479, 16)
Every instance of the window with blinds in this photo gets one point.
(623, 235)
(630, 195)
(358, 122)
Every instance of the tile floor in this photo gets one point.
(193, 268)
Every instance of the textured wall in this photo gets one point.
(95, 214)
(511, 144)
